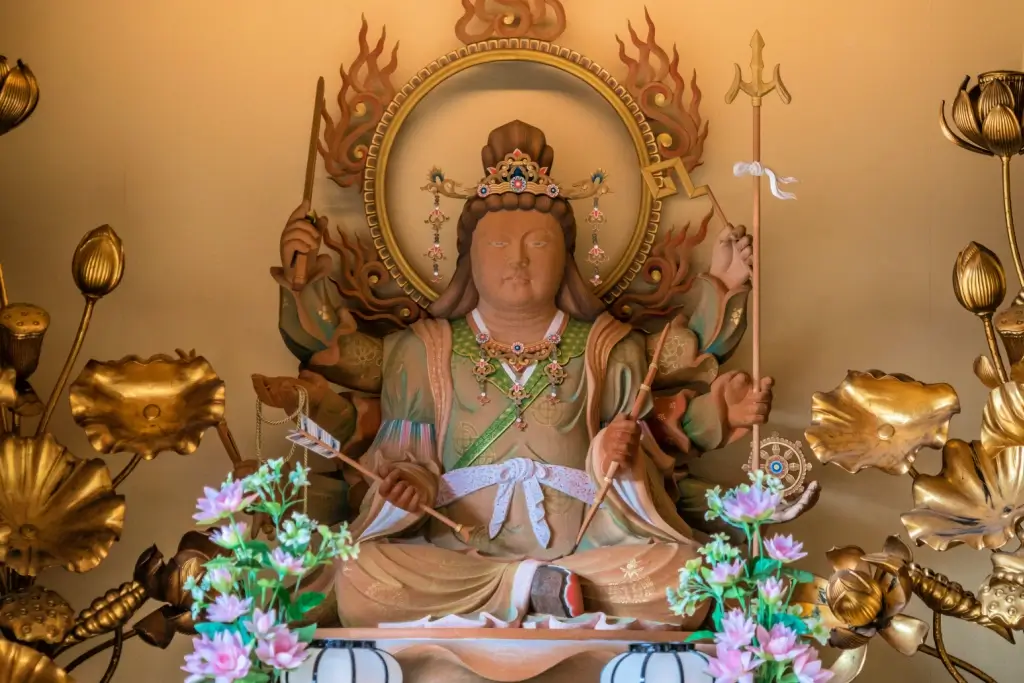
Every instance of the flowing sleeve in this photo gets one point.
(720, 317)
(638, 499)
(407, 436)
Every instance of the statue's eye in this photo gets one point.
(538, 244)
(499, 245)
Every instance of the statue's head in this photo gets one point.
(517, 236)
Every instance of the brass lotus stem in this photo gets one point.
(1010, 232)
(912, 471)
(117, 642)
(940, 649)
(65, 373)
(993, 348)
(15, 424)
(128, 469)
(960, 664)
(3, 289)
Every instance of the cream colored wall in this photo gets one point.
(183, 125)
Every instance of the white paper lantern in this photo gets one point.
(346, 661)
(658, 663)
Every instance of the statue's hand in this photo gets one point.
(788, 511)
(746, 405)
(300, 236)
(282, 392)
(402, 489)
(621, 440)
(732, 258)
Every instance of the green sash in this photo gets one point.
(573, 345)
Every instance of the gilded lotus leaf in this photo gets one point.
(874, 419)
(1002, 421)
(977, 499)
(56, 510)
(148, 406)
(22, 664)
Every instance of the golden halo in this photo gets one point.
(490, 52)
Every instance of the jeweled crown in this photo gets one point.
(519, 174)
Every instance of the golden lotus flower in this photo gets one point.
(977, 499)
(989, 115)
(1002, 595)
(19, 94)
(874, 419)
(867, 596)
(978, 280)
(165, 581)
(98, 263)
(36, 614)
(56, 510)
(22, 664)
(148, 406)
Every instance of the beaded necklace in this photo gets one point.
(519, 361)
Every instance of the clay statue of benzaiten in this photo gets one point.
(503, 408)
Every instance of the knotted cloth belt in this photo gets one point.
(531, 475)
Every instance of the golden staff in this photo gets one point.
(756, 88)
(299, 260)
(638, 404)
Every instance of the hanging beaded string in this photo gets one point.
(436, 220)
(295, 418)
(596, 256)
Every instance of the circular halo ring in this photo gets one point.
(491, 52)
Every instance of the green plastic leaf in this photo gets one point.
(306, 633)
(700, 635)
(220, 563)
(307, 601)
(799, 576)
(211, 628)
(795, 624)
(255, 677)
(765, 567)
(256, 547)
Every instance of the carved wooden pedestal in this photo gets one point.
(502, 655)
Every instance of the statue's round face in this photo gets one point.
(518, 258)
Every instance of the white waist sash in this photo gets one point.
(572, 482)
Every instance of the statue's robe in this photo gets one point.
(523, 492)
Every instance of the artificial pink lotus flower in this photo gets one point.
(807, 668)
(216, 505)
(737, 630)
(731, 665)
(222, 658)
(220, 580)
(228, 608)
(286, 563)
(751, 506)
(264, 624)
(283, 651)
(726, 573)
(230, 536)
(784, 549)
(780, 644)
(771, 590)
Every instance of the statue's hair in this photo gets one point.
(575, 296)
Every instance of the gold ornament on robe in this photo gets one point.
(148, 406)
(56, 510)
(880, 420)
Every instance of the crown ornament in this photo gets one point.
(517, 173)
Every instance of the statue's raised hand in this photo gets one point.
(746, 405)
(733, 257)
(621, 440)
(300, 236)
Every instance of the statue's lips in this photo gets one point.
(521, 279)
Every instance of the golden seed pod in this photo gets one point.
(115, 608)
(36, 614)
(98, 264)
(855, 598)
(22, 329)
(19, 94)
(978, 280)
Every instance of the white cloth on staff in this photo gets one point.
(754, 168)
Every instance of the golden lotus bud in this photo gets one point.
(98, 263)
(19, 94)
(990, 115)
(978, 280)
(854, 597)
